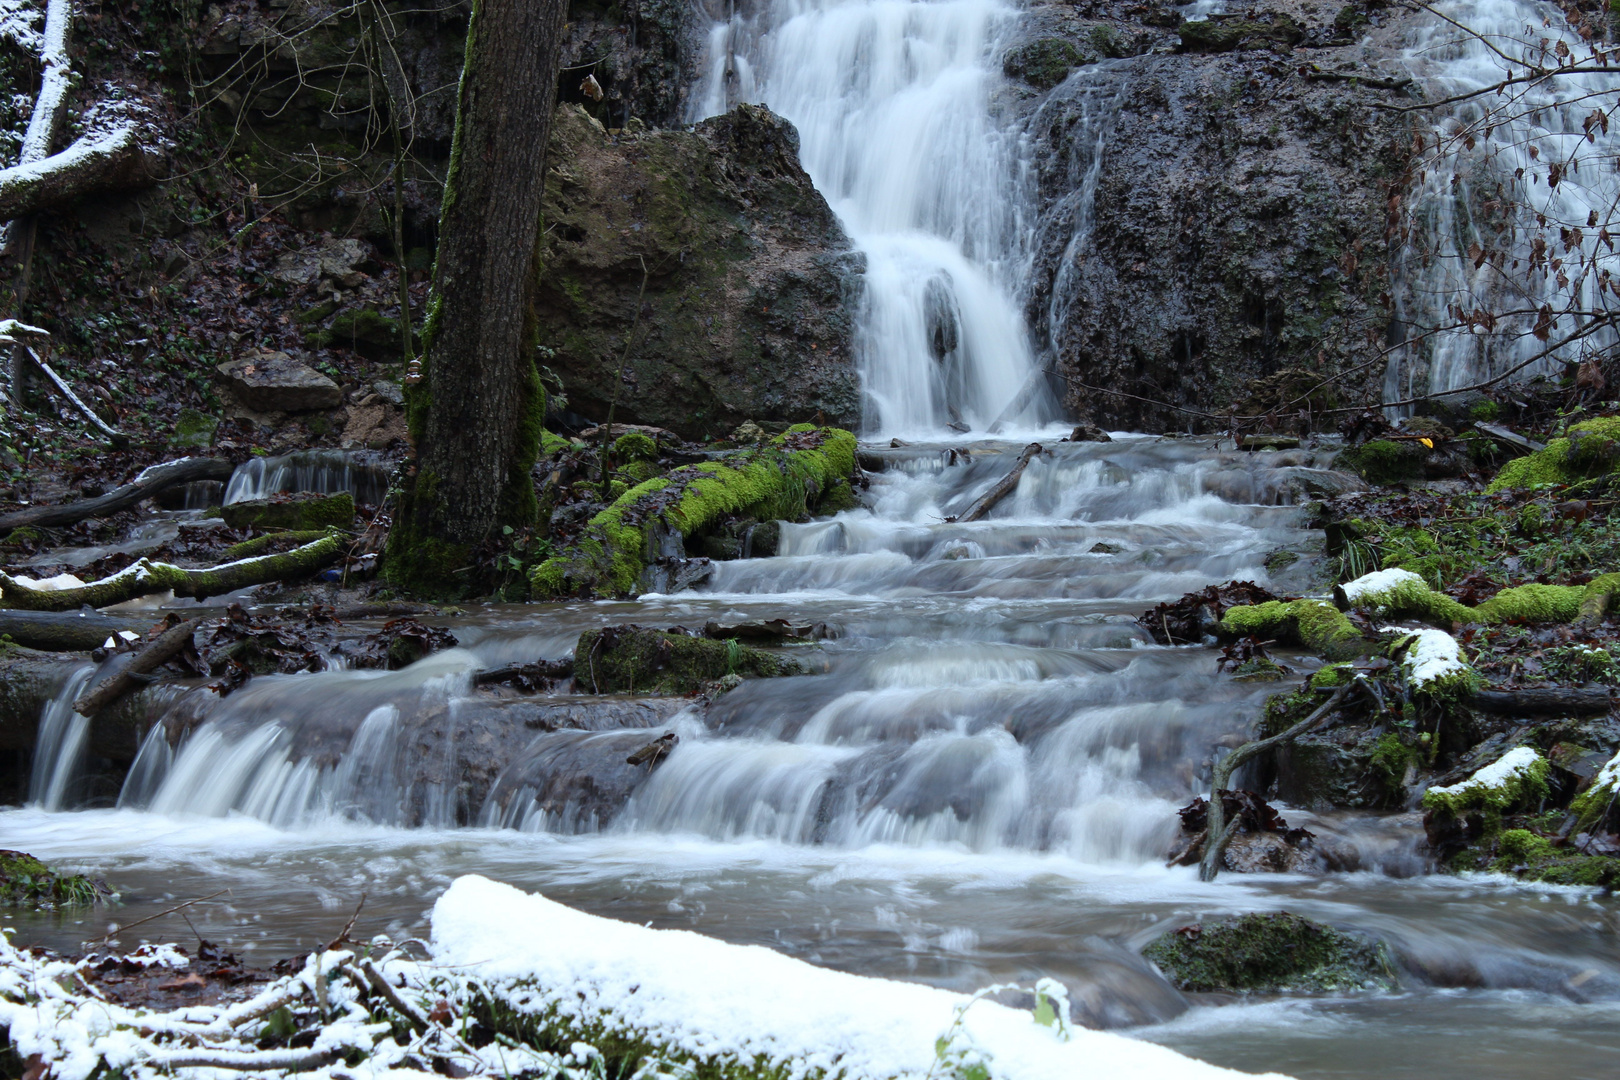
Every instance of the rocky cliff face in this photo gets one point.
(1213, 200)
(749, 280)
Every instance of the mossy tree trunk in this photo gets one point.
(476, 416)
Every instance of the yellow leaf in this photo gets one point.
(1427, 442)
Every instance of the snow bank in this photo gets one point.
(709, 1003)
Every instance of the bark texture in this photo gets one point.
(476, 417)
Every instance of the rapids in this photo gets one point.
(978, 785)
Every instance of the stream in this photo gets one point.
(977, 785)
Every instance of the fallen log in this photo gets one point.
(65, 631)
(1512, 438)
(1003, 487)
(149, 482)
(1544, 701)
(145, 578)
(96, 162)
(56, 76)
(1219, 833)
(155, 655)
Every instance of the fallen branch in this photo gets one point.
(1543, 701)
(1513, 438)
(150, 482)
(56, 76)
(1006, 484)
(108, 159)
(145, 578)
(65, 631)
(114, 436)
(1219, 834)
(149, 659)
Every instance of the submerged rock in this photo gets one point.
(641, 660)
(1278, 953)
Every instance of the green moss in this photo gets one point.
(427, 567)
(784, 478)
(259, 545)
(634, 446)
(27, 882)
(1270, 954)
(1315, 624)
(1590, 449)
(1484, 411)
(1521, 789)
(365, 329)
(1412, 599)
(306, 513)
(1224, 35)
(1534, 858)
(1331, 676)
(641, 660)
(193, 430)
(1385, 461)
(1391, 759)
(1533, 603)
(1599, 597)
(552, 443)
(1043, 63)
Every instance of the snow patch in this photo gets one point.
(1516, 764)
(58, 583)
(696, 997)
(1377, 583)
(1431, 656)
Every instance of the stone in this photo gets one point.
(193, 430)
(270, 382)
(1269, 442)
(1269, 954)
(302, 512)
(336, 260)
(641, 660)
(751, 286)
(374, 423)
(1089, 432)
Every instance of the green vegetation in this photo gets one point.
(307, 513)
(1517, 781)
(1534, 858)
(641, 660)
(1385, 461)
(1590, 449)
(786, 478)
(1315, 624)
(27, 882)
(1271, 954)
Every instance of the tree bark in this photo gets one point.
(148, 483)
(476, 417)
(157, 653)
(65, 631)
(1543, 701)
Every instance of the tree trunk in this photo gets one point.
(476, 416)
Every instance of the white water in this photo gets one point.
(892, 101)
(1541, 123)
(325, 472)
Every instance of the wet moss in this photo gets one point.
(1044, 62)
(27, 882)
(1315, 624)
(1413, 599)
(1533, 603)
(1534, 858)
(634, 446)
(1518, 788)
(641, 660)
(1590, 449)
(1385, 461)
(302, 513)
(1276, 953)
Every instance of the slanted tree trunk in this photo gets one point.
(476, 416)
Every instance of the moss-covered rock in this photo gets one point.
(27, 882)
(1385, 461)
(1516, 780)
(193, 430)
(750, 284)
(1277, 953)
(641, 660)
(303, 513)
(1225, 35)
(1589, 449)
(1315, 624)
(1044, 62)
(785, 478)
(1399, 593)
(365, 330)
(1535, 858)
(1601, 798)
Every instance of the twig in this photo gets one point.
(167, 911)
(343, 935)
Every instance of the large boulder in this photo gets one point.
(273, 382)
(1270, 954)
(750, 282)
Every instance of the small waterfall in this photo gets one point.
(892, 101)
(59, 748)
(325, 472)
(1474, 211)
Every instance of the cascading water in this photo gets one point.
(892, 101)
(324, 472)
(1482, 195)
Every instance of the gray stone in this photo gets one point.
(336, 260)
(269, 382)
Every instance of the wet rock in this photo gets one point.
(375, 423)
(1089, 432)
(1269, 442)
(1226, 34)
(1278, 953)
(639, 659)
(272, 382)
(303, 511)
(750, 285)
(578, 781)
(193, 430)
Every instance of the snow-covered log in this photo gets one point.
(108, 159)
(150, 481)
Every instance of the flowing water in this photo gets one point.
(978, 781)
(1539, 124)
(977, 784)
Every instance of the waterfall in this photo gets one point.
(325, 472)
(1454, 221)
(59, 748)
(893, 103)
